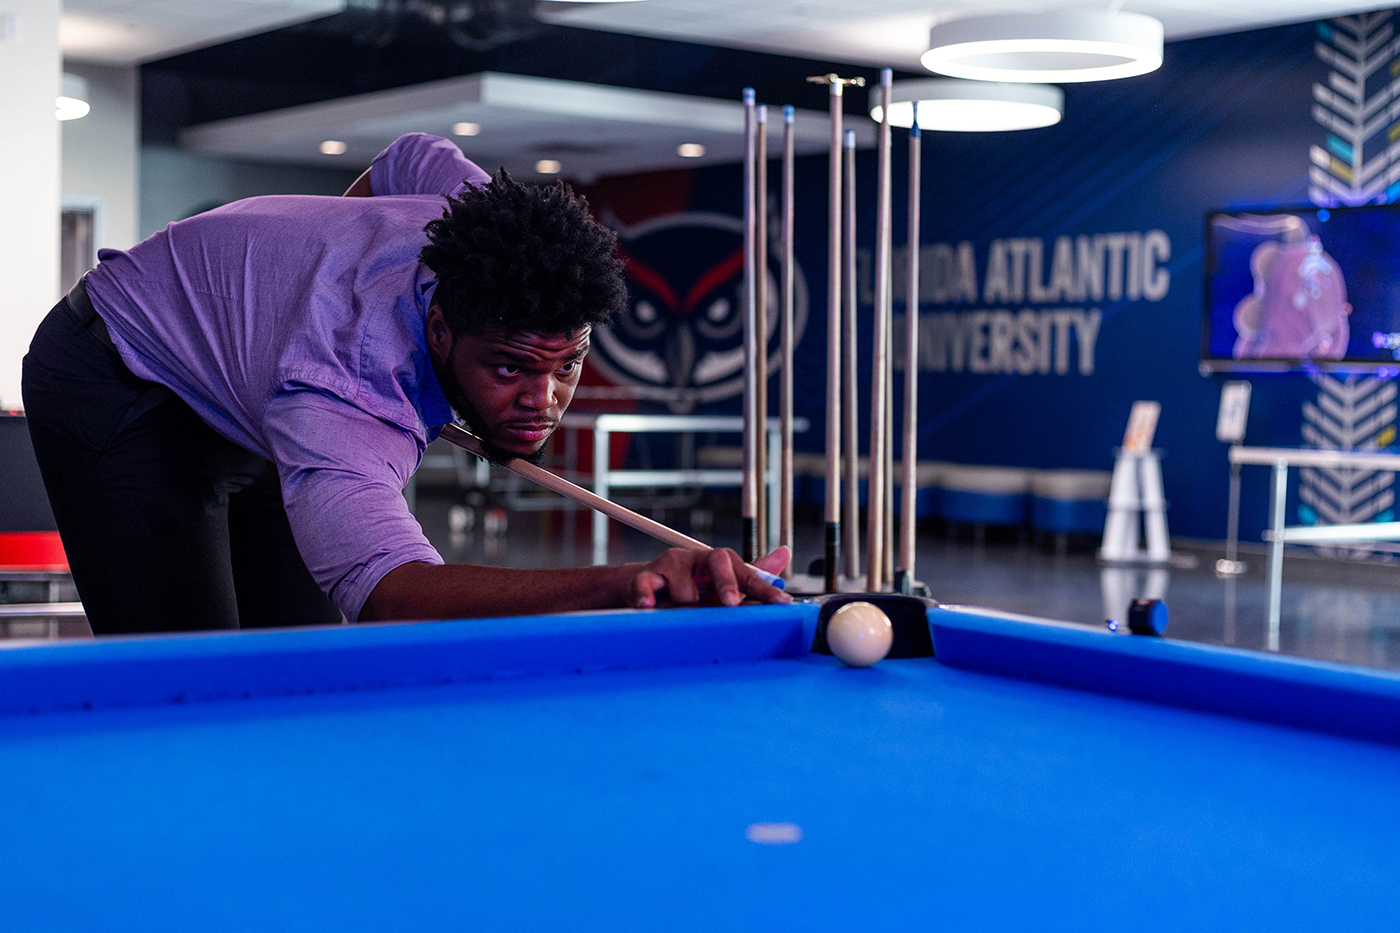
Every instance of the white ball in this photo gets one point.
(859, 634)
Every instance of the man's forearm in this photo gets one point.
(452, 591)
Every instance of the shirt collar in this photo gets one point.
(433, 406)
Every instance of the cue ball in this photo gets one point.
(859, 634)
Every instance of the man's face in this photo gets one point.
(510, 389)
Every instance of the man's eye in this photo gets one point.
(507, 370)
(569, 368)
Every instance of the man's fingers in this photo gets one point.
(723, 580)
(685, 576)
(681, 580)
(645, 586)
(755, 586)
(775, 560)
(759, 588)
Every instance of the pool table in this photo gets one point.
(694, 769)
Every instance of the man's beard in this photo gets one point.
(476, 424)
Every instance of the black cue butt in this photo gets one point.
(833, 548)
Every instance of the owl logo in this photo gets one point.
(681, 339)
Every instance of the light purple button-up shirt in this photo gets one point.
(294, 326)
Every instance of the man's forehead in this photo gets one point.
(537, 342)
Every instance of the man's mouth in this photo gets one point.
(527, 432)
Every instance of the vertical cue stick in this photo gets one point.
(875, 501)
(907, 525)
(760, 363)
(748, 511)
(833, 336)
(850, 462)
(788, 302)
(887, 483)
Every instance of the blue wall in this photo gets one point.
(1227, 122)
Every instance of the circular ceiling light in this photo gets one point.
(1036, 48)
(333, 147)
(548, 167)
(73, 101)
(466, 129)
(950, 104)
(690, 150)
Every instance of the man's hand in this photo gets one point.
(687, 577)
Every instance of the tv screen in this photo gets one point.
(1294, 286)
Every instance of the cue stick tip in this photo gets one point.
(748, 95)
(789, 113)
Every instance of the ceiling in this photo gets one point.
(122, 32)
(872, 32)
(590, 129)
(895, 32)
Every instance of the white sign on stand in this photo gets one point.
(1234, 412)
(1142, 427)
(1136, 503)
(1229, 429)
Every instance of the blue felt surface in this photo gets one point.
(929, 798)
(1336, 698)
(599, 771)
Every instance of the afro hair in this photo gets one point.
(522, 258)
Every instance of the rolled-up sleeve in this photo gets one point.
(343, 473)
(417, 163)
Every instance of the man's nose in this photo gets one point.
(539, 393)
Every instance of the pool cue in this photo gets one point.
(875, 499)
(850, 458)
(832, 506)
(888, 482)
(907, 525)
(455, 434)
(748, 510)
(787, 321)
(760, 363)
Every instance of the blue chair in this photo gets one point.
(1066, 502)
(983, 495)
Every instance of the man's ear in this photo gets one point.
(439, 333)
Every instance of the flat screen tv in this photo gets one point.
(1298, 287)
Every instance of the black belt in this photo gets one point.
(81, 305)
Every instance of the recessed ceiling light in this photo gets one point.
(548, 167)
(972, 106)
(333, 147)
(1061, 47)
(690, 150)
(466, 129)
(73, 102)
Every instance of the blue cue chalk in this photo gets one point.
(772, 579)
(1147, 617)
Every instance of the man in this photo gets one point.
(225, 416)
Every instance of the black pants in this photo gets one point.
(167, 525)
